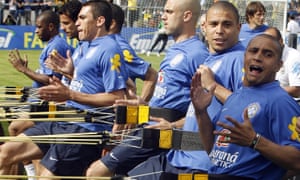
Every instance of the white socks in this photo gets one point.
(30, 171)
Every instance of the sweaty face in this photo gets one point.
(222, 29)
(261, 61)
(68, 26)
(257, 19)
(42, 29)
(86, 24)
(173, 18)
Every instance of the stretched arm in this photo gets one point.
(201, 99)
(21, 65)
(164, 124)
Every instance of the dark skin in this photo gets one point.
(45, 32)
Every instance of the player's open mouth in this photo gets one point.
(255, 68)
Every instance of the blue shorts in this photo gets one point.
(155, 166)
(65, 159)
(123, 158)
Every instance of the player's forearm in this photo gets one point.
(287, 157)
(178, 124)
(206, 130)
(97, 100)
(41, 78)
(222, 93)
(149, 84)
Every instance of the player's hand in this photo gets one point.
(161, 124)
(59, 64)
(207, 77)
(238, 133)
(18, 63)
(201, 97)
(55, 91)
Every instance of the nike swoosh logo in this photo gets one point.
(52, 159)
(113, 156)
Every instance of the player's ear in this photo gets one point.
(187, 16)
(101, 21)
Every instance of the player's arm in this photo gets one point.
(201, 99)
(287, 157)
(41, 78)
(164, 124)
(208, 80)
(243, 134)
(56, 91)
(21, 65)
(149, 84)
(222, 93)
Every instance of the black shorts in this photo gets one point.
(123, 158)
(157, 166)
(65, 159)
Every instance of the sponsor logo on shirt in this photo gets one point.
(292, 128)
(160, 78)
(116, 64)
(127, 55)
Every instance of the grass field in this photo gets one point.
(11, 77)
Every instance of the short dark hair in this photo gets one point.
(228, 6)
(71, 9)
(101, 8)
(118, 16)
(254, 7)
(50, 17)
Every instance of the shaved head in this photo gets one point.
(190, 5)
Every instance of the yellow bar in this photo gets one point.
(200, 177)
(18, 90)
(143, 116)
(52, 108)
(165, 139)
(185, 176)
(132, 113)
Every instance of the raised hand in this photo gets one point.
(238, 133)
(59, 64)
(201, 97)
(18, 63)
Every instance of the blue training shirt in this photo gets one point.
(270, 110)
(172, 88)
(228, 70)
(100, 70)
(136, 66)
(246, 33)
(227, 67)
